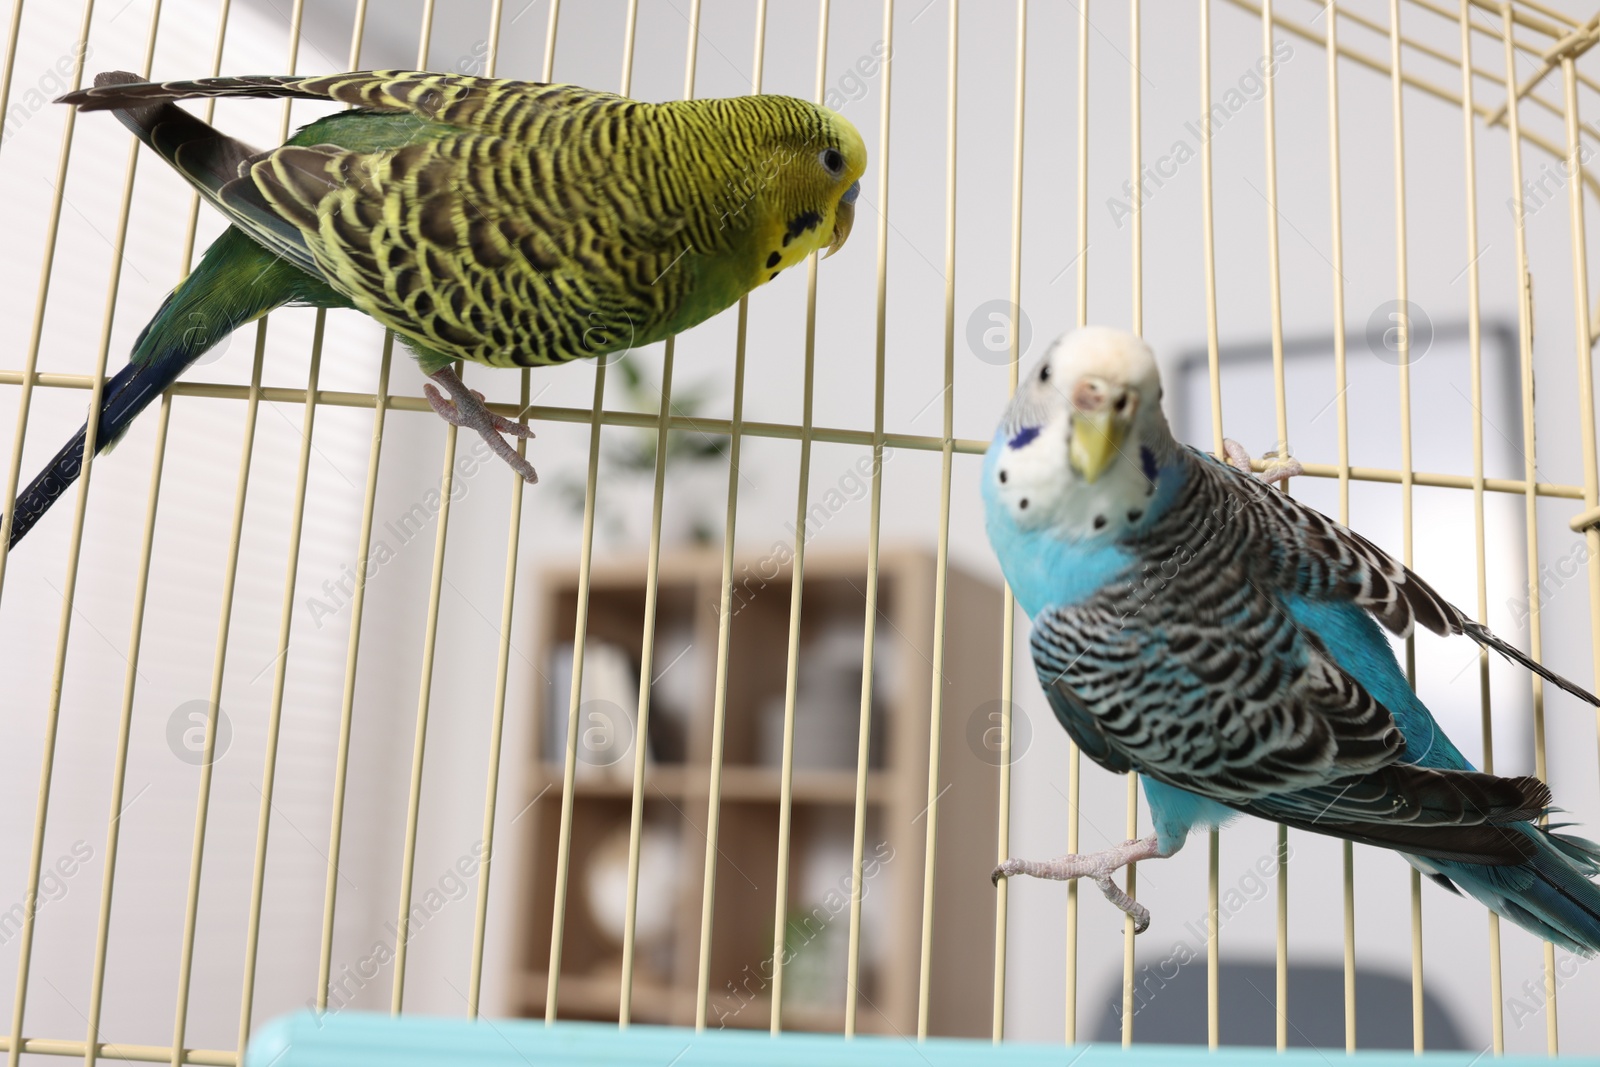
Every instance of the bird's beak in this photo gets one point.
(844, 217)
(1096, 438)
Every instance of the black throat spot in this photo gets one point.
(806, 220)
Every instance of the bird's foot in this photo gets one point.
(466, 408)
(1279, 467)
(1096, 866)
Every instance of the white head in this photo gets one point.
(1084, 437)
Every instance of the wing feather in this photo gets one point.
(1320, 558)
(1190, 669)
(489, 229)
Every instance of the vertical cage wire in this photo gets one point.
(558, 919)
(780, 907)
(942, 553)
(1342, 424)
(353, 645)
(1208, 239)
(1568, 39)
(119, 778)
(852, 975)
(1280, 398)
(281, 662)
(719, 711)
(1529, 439)
(408, 848)
(1008, 627)
(1397, 104)
(1479, 531)
(1584, 354)
(53, 712)
(652, 576)
(502, 671)
(1136, 237)
(1074, 756)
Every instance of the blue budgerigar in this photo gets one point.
(1195, 625)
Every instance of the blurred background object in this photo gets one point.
(677, 791)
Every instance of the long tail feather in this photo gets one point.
(126, 394)
(125, 91)
(206, 156)
(1484, 637)
(454, 98)
(1550, 895)
(236, 282)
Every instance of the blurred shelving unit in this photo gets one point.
(677, 781)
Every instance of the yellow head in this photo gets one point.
(844, 161)
(791, 174)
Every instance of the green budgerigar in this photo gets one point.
(510, 223)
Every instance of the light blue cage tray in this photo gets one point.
(357, 1039)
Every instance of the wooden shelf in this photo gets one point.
(587, 995)
(739, 783)
(677, 800)
(590, 995)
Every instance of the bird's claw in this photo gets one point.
(1130, 907)
(449, 412)
(517, 463)
(466, 409)
(1095, 866)
(1279, 466)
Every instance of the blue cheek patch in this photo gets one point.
(1147, 460)
(1024, 435)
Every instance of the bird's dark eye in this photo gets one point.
(832, 161)
(1044, 373)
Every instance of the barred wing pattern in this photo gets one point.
(512, 223)
(1191, 670)
(1318, 558)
